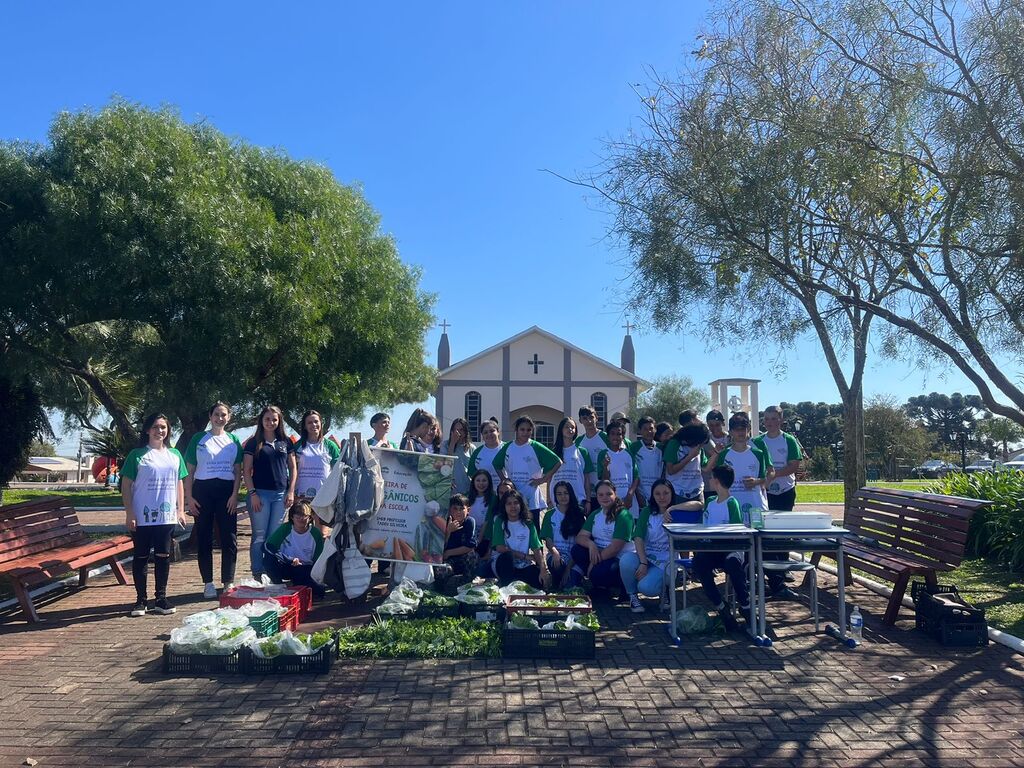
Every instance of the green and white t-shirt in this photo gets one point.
(526, 462)
(214, 456)
(576, 465)
(621, 471)
(483, 458)
(781, 450)
(593, 446)
(480, 511)
(723, 512)
(752, 462)
(688, 481)
(650, 462)
(604, 532)
(155, 474)
(315, 461)
(651, 529)
(552, 529)
(521, 538)
(386, 444)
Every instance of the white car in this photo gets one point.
(1017, 464)
(984, 465)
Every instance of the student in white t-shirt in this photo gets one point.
(527, 463)
(561, 524)
(593, 441)
(576, 466)
(314, 455)
(214, 461)
(649, 458)
(380, 423)
(483, 456)
(154, 502)
(291, 550)
(518, 554)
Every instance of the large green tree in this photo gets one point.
(668, 397)
(154, 264)
(892, 439)
(950, 418)
(24, 423)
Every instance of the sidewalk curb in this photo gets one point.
(1012, 642)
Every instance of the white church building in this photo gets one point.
(534, 373)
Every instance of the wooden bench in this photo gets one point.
(43, 539)
(898, 534)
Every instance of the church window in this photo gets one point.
(473, 414)
(543, 432)
(599, 402)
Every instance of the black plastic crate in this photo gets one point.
(919, 588)
(201, 663)
(955, 634)
(547, 643)
(436, 611)
(934, 607)
(318, 662)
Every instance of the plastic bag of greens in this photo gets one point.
(281, 644)
(587, 621)
(518, 621)
(231, 641)
(190, 638)
(694, 620)
(519, 588)
(259, 607)
(219, 619)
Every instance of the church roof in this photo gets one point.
(643, 384)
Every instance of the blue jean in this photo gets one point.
(605, 574)
(557, 574)
(264, 523)
(651, 584)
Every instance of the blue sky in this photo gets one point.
(447, 115)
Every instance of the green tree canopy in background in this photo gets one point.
(892, 439)
(155, 264)
(946, 416)
(667, 398)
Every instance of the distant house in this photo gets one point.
(58, 469)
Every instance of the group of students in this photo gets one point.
(601, 517)
(159, 487)
(609, 498)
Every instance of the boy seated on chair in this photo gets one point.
(721, 509)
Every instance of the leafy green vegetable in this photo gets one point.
(446, 638)
(518, 621)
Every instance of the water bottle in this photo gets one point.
(856, 625)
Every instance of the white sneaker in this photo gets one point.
(229, 585)
(635, 605)
(210, 592)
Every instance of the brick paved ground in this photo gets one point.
(84, 689)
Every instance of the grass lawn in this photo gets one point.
(991, 586)
(832, 493)
(98, 497)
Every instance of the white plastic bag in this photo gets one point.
(281, 644)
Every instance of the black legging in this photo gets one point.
(158, 539)
(505, 567)
(212, 496)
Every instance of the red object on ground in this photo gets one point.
(298, 597)
(289, 619)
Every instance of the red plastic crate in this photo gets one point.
(289, 619)
(300, 597)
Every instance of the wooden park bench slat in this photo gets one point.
(43, 538)
(899, 534)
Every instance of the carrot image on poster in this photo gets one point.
(411, 523)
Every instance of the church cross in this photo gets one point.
(535, 362)
(445, 325)
(629, 327)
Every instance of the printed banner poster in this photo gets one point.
(411, 523)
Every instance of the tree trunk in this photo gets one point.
(854, 470)
(190, 425)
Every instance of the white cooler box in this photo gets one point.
(783, 521)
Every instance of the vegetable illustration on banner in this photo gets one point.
(412, 522)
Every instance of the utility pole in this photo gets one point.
(78, 474)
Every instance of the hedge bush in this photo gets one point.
(998, 529)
